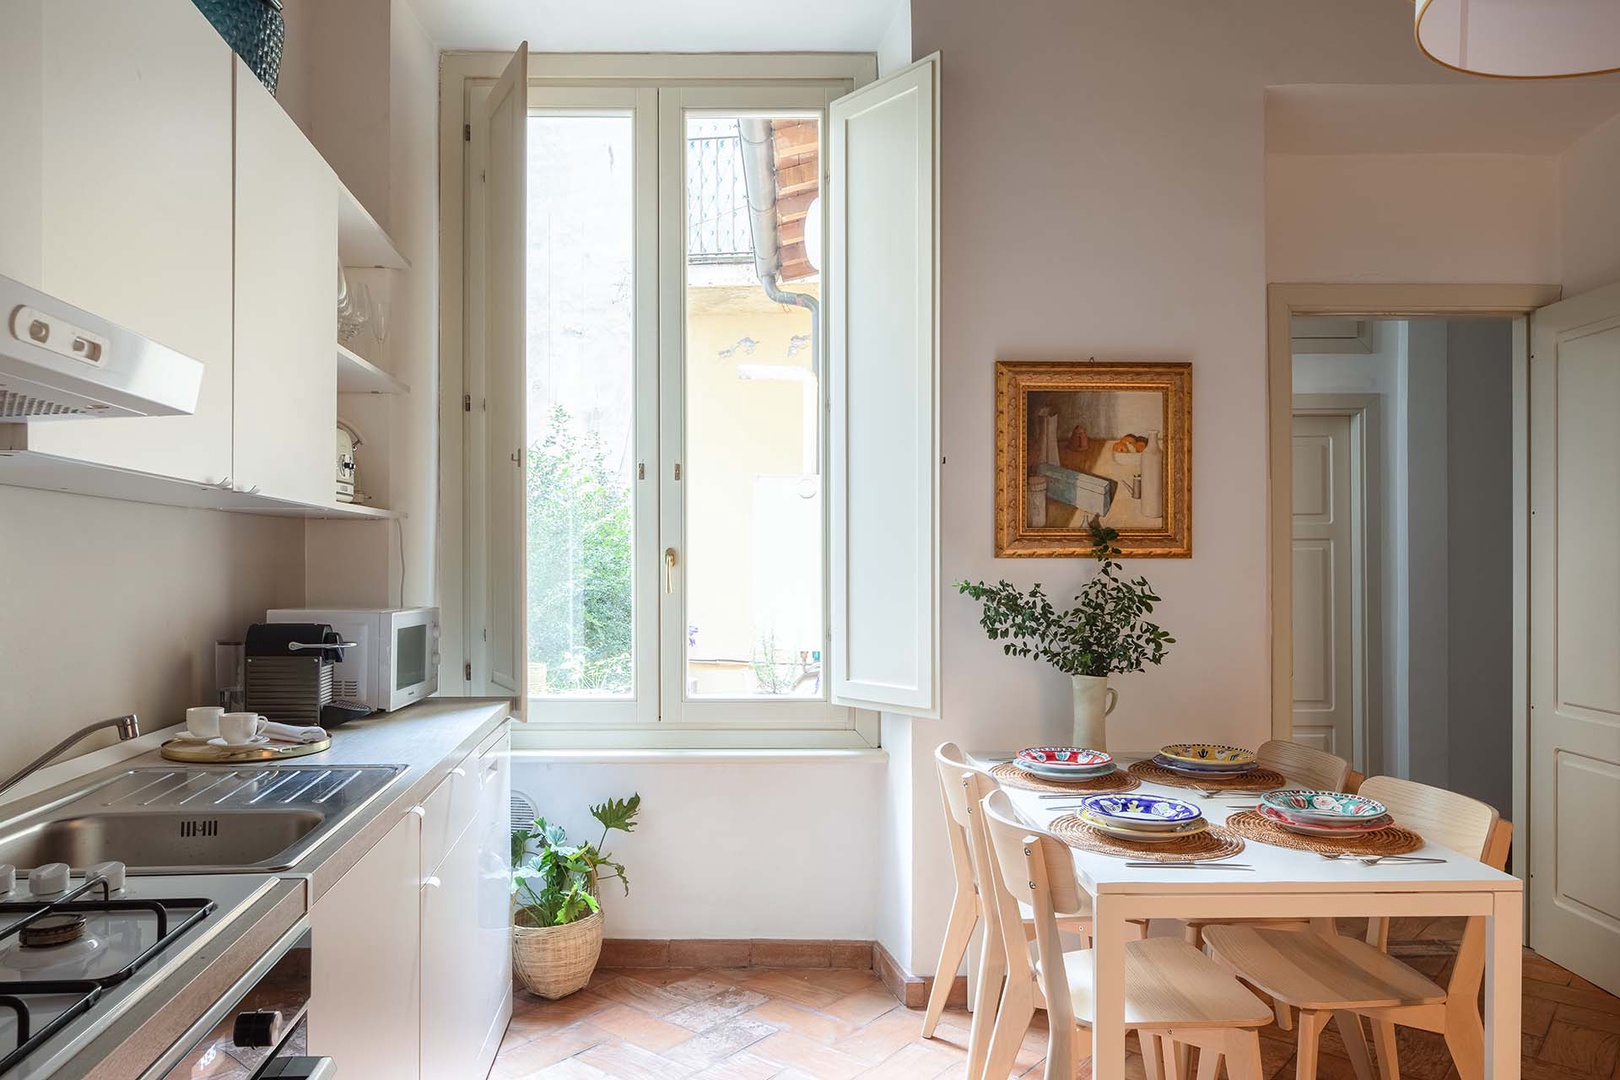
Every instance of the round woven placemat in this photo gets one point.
(1257, 780)
(1395, 840)
(1012, 776)
(1213, 843)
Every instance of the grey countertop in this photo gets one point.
(429, 738)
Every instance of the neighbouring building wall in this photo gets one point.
(727, 847)
(1105, 194)
(1412, 217)
(114, 607)
(1590, 176)
(1479, 567)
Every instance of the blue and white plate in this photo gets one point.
(1136, 811)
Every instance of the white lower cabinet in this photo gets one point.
(413, 968)
(366, 967)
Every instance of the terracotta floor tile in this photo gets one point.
(624, 1062)
(917, 1061)
(846, 980)
(698, 986)
(882, 1037)
(631, 990)
(631, 1025)
(533, 1016)
(792, 986)
(722, 1041)
(863, 1006)
(807, 1022)
(744, 1066)
(535, 1054)
(705, 1014)
(571, 1069)
(809, 1057)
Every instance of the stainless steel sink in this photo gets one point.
(196, 820)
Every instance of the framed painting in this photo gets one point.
(1081, 441)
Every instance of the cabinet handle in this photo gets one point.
(669, 567)
(458, 771)
(419, 811)
(431, 883)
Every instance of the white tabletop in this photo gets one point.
(1276, 869)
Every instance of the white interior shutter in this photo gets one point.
(506, 117)
(883, 367)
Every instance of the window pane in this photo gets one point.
(581, 406)
(752, 487)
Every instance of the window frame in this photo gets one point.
(669, 86)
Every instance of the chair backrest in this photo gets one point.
(1443, 817)
(1469, 971)
(1304, 765)
(1036, 867)
(952, 766)
(1353, 781)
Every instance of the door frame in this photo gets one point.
(1365, 412)
(1284, 300)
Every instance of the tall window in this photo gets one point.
(675, 525)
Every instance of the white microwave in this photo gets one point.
(395, 657)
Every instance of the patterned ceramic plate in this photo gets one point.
(1064, 757)
(1143, 836)
(1209, 755)
(1063, 776)
(1141, 811)
(1187, 768)
(1317, 828)
(1325, 807)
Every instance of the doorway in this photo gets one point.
(1402, 547)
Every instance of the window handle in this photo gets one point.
(669, 569)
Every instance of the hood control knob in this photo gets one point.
(112, 871)
(48, 880)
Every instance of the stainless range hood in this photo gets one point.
(59, 362)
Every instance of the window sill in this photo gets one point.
(774, 756)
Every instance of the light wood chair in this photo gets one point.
(1330, 977)
(1173, 994)
(963, 788)
(1303, 765)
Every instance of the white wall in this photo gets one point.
(732, 849)
(1422, 646)
(1591, 214)
(1413, 217)
(114, 607)
(894, 50)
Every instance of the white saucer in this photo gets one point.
(257, 740)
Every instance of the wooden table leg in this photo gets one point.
(1504, 975)
(1111, 931)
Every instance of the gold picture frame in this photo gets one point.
(1060, 463)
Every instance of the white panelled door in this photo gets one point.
(883, 278)
(1324, 604)
(505, 398)
(1575, 635)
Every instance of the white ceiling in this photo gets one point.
(658, 25)
(1482, 117)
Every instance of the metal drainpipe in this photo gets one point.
(759, 178)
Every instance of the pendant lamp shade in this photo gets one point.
(1521, 39)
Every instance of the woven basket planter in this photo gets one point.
(555, 961)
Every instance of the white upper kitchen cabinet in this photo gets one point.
(116, 183)
(286, 304)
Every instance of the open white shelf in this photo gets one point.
(357, 375)
(361, 241)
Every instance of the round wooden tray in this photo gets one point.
(1213, 843)
(1257, 780)
(1395, 840)
(200, 753)
(1009, 775)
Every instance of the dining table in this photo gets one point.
(1281, 883)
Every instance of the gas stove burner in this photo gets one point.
(51, 930)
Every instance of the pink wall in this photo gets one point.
(1591, 214)
(1413, 217)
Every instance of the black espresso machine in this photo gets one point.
(288, 673)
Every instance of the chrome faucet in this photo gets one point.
(127, 726)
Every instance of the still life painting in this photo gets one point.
(1084, 441)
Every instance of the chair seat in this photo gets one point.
(1168, 983)
(1309, 970)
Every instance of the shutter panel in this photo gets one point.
(506, 117)
(883, 366)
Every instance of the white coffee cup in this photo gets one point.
(203, 721)
(240, 728)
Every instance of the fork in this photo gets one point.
(1205, 865)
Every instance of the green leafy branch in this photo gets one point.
(557, 884)
(1106, 632)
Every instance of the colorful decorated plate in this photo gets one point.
(1187, 768)
(1325, 807)
(1141, 811)
(1063, 774)
(1209, 755)
(1064, 757)
(1143, 836)
(1317, 828)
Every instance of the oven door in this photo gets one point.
(257, 1028)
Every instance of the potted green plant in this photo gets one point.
(1105, 633)
(556, 918)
